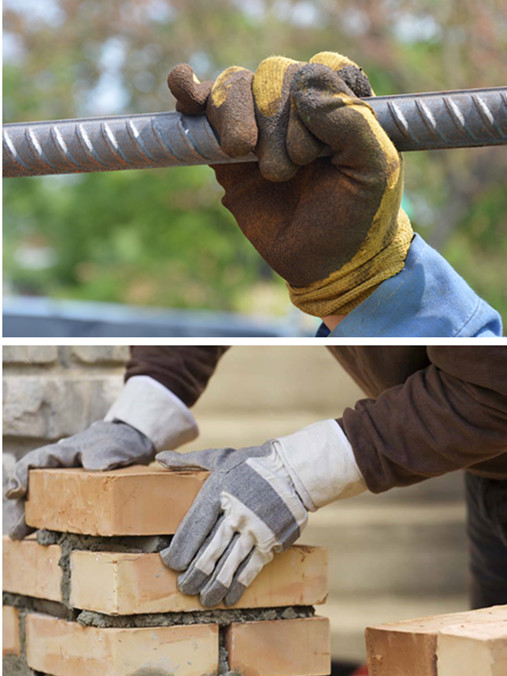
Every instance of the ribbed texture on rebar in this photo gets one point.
(413, 121)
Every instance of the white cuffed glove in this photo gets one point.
(145, 418)
(255, 503)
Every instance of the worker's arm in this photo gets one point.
(451, 414)
(185, 370)
(151, 414)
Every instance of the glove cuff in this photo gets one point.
(347, 287)
(155, 411)
(321, 464)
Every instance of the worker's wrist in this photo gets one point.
(332, 321)
(346, 288)
(155, 411)
(321, 463)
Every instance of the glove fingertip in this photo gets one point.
(15, 517)
(212, 595)
(235, 593)
(168, 459)
(204, 601)
(171, 559)
(14, 490)
(191, 95)
(92, 464)
(239, 141)
(193, 461)
(277, 171)
(17, 485)
(20, 533)
(357, 80)
(302, 147)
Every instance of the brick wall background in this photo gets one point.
(394, 556)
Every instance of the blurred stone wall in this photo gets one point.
(52, 392)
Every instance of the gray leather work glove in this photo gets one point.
(254, 504)
(242, 515)
(103, 446)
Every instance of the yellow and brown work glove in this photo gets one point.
(331, 227)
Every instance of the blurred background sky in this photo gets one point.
(161, 237)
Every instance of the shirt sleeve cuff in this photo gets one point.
(428, 298)
(156, 412)
(321, 463)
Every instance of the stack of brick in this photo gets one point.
(89, 593)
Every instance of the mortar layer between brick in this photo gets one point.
(65, 648)
(135, 500)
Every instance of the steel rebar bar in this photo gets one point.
(454, 119)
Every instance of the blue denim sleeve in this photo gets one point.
(427, 298)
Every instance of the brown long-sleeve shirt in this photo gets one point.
(428, 411)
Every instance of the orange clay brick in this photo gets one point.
(467, 649)
(10, 631)
(298, 647)
(130, 501)
(410, 647)
(120, 583)
(65, 648)
(31, 569)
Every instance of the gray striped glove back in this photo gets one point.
(247, 510)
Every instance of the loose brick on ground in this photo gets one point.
(299, 647)
(31, 569)
(410, 647)
(467, 649)
(121, 583)
(134, 500)
(10, 631)
(65, 648)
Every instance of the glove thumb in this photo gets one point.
(14, 517)
(190, 94)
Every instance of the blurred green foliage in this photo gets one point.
(161, 237)
(156, 237)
